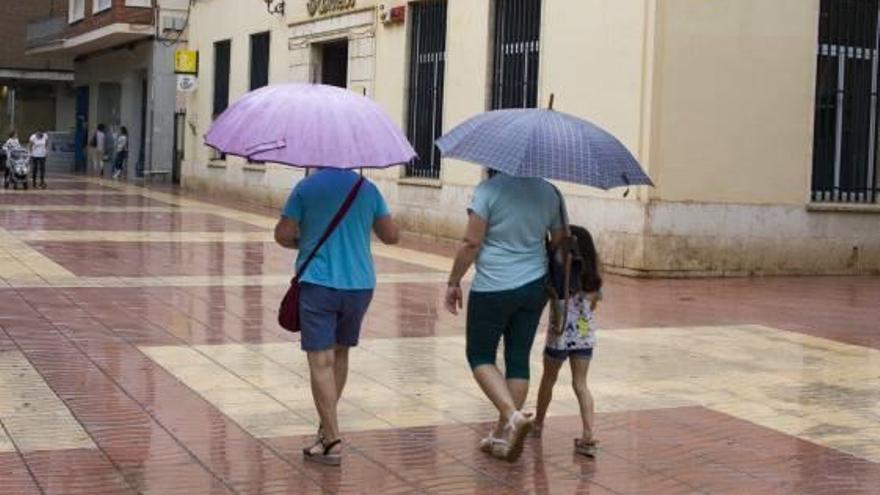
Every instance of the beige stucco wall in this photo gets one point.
(733, 110)
(235, 20)
(714, 98)
(731, 147)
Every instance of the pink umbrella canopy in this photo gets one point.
(310, 125)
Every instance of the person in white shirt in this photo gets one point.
(121, 152)
(39, 148)
(98, 149)
(11, 143)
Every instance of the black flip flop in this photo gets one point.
(326, 457)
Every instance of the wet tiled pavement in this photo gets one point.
(139, 354)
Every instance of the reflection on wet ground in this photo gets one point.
(139, 354)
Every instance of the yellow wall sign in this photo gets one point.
(186, 62)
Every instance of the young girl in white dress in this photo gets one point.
(575, 343)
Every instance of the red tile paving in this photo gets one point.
(846, 309)
(76, 185)
(155, 435)
(124, 259)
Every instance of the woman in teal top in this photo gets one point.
(509, 219)
(336, 288)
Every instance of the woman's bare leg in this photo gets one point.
(495, 387)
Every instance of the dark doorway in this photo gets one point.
(82, 128)
(334, 64)
(179, 145)
(142, 151)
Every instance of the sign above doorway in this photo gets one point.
(322, 7)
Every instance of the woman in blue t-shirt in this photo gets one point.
(509, 219)
(337, 287)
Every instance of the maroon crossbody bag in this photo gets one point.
(288, 313)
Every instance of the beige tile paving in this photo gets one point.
(21, 264)
(31, 413)
(811, 388)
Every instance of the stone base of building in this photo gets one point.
(659, 239)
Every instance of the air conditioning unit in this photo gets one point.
(173, 23)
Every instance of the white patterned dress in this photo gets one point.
(578, 337)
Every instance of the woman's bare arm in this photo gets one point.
(287, 233)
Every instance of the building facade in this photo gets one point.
(756, 120)
(35, 94)
(122, 53)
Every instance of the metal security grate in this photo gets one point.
(222, 53)
(845, 142)
(517, 53)
(427, 66)
(260, 44)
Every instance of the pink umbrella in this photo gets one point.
(310, 125)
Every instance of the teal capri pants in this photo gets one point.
(511, 314)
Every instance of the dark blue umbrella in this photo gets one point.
(546, 144)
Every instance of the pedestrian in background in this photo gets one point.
(39, 149)
(10, 143)
(12, 140)
(509, 220)
(98, 149)
(121, 152)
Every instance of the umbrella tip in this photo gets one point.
(552, 99)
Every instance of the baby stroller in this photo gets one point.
(18, 163)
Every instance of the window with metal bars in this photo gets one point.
(845, 133)
(517, 53)
(222, 53)
(259, 60)
(426, 76)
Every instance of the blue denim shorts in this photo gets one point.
(559, 355)
(331, 317)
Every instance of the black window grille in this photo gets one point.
(221, 76)
(426, 77)
(259, 60)
(517, 53)
(845, 142)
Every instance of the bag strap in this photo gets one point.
(337, 219)
(566, 247)
(563, 210)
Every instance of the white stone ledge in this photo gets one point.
(843, 208)
(419, 182)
